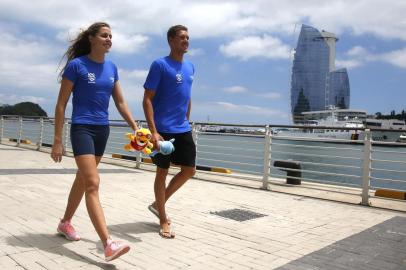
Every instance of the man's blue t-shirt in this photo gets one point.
(93, 84)
(172, 82)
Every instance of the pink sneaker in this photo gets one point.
(115, 249)
(67, 230)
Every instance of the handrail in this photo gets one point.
(314, 155)
(256, 152)
(229, 155)
(319, 147)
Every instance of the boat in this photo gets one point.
(332, 129)
(402, 138)
(344, 124)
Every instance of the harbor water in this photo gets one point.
(325, 162)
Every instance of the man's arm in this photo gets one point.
(189, 108)
(149, 115)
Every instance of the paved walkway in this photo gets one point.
(282, 231)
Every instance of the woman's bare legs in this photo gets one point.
(76, 194)
(90, 177)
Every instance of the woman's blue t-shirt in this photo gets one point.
(93, 84)
(172, 82)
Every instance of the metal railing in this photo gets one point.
(251, 151)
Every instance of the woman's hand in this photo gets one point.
(57, 151)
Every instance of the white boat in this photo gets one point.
(333, 130)
(350, 119)
(398, 126)
(402, 137)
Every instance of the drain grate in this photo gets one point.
(238, 214)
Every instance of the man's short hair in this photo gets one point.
(174, 29)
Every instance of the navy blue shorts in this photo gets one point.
(185, 151)
(89, 139)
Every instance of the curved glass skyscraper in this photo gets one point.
(316, 85)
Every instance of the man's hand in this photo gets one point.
(156, 137)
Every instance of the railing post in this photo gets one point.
(66, 126)
(194, 132)
(267, 157)
(2, 129)
(195, 135)
(139, 157)
(41, 134)
(366, 168)
(20, 131)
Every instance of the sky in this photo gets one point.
(242, 51)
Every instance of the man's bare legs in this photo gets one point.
(163, 193)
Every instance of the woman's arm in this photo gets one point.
(63, 98)
(122, 106)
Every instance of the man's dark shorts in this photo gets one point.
(89, 139)
(185, 151)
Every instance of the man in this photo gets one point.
(167, 104)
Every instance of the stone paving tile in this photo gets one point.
(382, 246)
(296, 233)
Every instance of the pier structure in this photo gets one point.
(218, 225)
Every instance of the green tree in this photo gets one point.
(302, 104)
(341, 104)
(24, 109)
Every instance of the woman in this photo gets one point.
(92, 79)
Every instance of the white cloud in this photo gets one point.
(359, 56)
(28, 63)
(356, 57)
(13, 99)
(132, 82)
(349, 64)
(224, 68)
(245, 109)
(122, 43)
(271, 95)
(33, 33)
(256, 47)
(235, 89)
(357, 51)
(397, 58)
(208, 18)
(195, 52)
(137, 74)
(128, 44)
(228, 112)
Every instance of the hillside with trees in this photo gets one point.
(392, 115)
(23, 108)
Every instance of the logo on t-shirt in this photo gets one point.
(91, 78)
(178, 78)
(112, 79)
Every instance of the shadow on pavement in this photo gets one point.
(126, 231)
(53, 243)
(58, 171)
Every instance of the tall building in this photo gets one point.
(316, 85)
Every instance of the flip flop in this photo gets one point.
(156, 213)
(167, 234)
